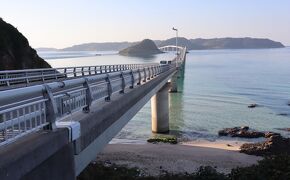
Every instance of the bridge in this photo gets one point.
(53, 122)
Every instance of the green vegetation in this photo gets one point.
(270, 168)
(163, 139)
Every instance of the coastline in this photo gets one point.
(186, 157)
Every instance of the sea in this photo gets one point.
(217, 87)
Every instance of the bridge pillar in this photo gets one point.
(173, 82)
(160, 110)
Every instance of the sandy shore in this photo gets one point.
(153, 159)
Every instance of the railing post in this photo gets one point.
(50, 106)
(42, 76)
(133, 79)
(83, 71)
(65, 74)
(123, 83)
(144, 80)
(90, 70)
(140, 77)
(149, 73)
(7, 80)
(109, 85)
(75, 74)
(27, 81)
(96, 70)
(89, 96)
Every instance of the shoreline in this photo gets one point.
(185, 157)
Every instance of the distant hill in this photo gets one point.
(46, 49)
(223, 43)
(144, 48)
(191, 44)
(236, 43)
(107, 46)
(15, 52)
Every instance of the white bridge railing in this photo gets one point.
(30, 76)
(28, 109)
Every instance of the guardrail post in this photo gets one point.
(149, 73)
(123, 83)
(75, 74)
(144, 80)
(42, 76)
(90, 71)
(89, 96)
(83, 71)
(133, 79)
(109, 85)
(65, 74)
(50, 106)
(27, 81)
(140, 77)
(96, 70)
(7, 80)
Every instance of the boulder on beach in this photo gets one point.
(275, 145)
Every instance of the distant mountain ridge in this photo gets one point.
(191, 44)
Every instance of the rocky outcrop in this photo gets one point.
(15, 52)
(242, 132)
(145, 48)
(245, 132)
(274, 145)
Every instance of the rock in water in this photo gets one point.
(15, 52)
(245, 132)
(145, 48)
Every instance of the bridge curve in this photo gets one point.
(171, 48)
(62, 125)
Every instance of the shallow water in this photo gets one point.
(217, 87)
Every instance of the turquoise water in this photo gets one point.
(217, 87)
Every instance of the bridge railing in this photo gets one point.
(29, 109)
(15, 77)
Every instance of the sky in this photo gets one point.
(63, 23)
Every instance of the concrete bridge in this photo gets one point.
(53, 122)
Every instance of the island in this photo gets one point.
(15, 51)
(146, 47)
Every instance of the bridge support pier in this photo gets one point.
(160, 110)
(173, 82)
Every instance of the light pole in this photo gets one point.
(176, 30)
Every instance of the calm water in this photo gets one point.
(217, 87)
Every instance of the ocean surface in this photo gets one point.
(217, 87)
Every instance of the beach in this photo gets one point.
(155, 159)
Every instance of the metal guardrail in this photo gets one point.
(28, 76)
(29, 109)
